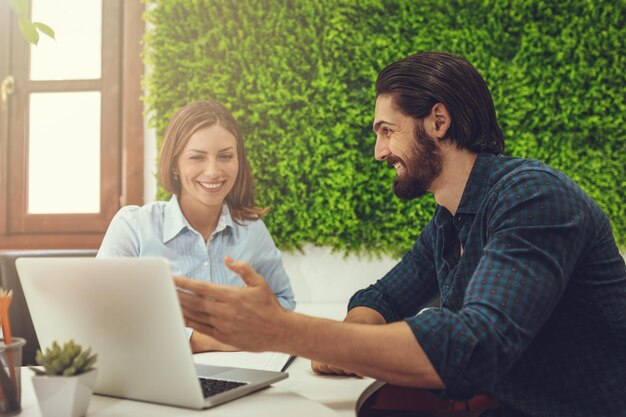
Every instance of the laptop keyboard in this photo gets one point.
(211, 387)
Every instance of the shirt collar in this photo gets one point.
(175, 221)
(225, 220)
(474, 191)
(477, 184)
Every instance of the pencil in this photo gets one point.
(5, 303)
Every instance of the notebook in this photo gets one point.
(127, 311)
(270, 361)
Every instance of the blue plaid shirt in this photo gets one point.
(533, 311)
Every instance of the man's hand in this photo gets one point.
(250, 318)
(326, 369)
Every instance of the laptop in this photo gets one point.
(127, 311)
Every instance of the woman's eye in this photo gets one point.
(226, 157)
(386, 131)
(196, 157)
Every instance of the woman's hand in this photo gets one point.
(201, 342)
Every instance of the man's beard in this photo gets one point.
(421, 166)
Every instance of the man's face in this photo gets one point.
(403, 143)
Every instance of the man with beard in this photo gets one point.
(531, 285)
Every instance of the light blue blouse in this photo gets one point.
(159, 229)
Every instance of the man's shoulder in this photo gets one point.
(518, 181)
(501, 166)
(509, 172)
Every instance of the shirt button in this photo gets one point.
(206, 263)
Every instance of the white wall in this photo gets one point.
(149, 162)
(320, 276)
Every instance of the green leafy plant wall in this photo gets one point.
(299, 76)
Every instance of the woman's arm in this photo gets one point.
(122, 237)
(201, 342)
(267, 260)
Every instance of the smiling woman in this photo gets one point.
(211, 214)
(206, 171)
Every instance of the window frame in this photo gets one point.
(122, 133)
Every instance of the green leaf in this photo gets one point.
(45, 29)
(28, 30)
(20, 7)
(90, 363)
(80, 360)
(39, 358)
(69, 371)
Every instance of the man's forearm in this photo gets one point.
(251, 318)
(387, 352)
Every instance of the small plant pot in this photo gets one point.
(64, 396)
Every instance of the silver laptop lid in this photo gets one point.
(127, 311)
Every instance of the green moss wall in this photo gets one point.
(299, 76)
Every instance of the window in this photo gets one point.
(71, 125)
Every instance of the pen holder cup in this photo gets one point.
(10, 370)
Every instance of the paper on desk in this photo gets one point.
(265, 361)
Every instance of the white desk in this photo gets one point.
(339, 393)
(303, 394)
(271, 402)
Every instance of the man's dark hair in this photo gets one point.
(419, 81)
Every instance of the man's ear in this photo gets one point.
(438, 121)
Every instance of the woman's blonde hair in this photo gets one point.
(185, 122)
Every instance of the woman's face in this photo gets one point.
(207, 167)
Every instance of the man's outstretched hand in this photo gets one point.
(250, 318)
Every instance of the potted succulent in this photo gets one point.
(65, 384)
